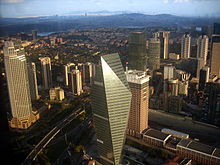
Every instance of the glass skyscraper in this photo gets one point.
(137, 51)
(111, 99)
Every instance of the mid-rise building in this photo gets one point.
(174, 56)
(168, 72)
(138, 117)
(111, 99)
(137, 51)
(183, 88)
(202, 47)
(215, 57)
(185, 46)
(18, 86)
(46, 72)
(153, 54)
(56, 94)
(163, 36)
(75, 81)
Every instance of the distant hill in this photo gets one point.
(10, 26)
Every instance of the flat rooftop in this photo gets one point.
(156, 134)
(190, 144)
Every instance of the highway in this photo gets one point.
(47, 138)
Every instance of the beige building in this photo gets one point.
(164, 43)
(202, 47)
(186, 46)
(18, 86)
(56, 94)
(138, 117)
(215, 56)
(68, 68)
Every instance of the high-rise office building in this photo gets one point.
(204, 77)
(215, 57)
(33, 80)
(88, 73)
(153, 54)
(202, 47)
(18, 86)
(138, 117)
(80, 67)
(200, 65)
(137, 51)
(75, 81)
(68, 68)
(111, 99)
(163, 36)
(34, 35)
(185, 46)
(216, 28)
(213, 91)
(46, 72)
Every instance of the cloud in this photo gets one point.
(11, 1)
(181, 1)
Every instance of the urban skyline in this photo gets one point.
(111, 95)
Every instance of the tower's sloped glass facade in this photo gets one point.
(111, 99)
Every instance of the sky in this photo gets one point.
(26, 8)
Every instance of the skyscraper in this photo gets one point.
(111, 99)
(204, 77)
(68, 68)
(202, 47)
(34, 35)
(137, 51)
(213, 91)
(18, 86)
(46, 72)
(200, 65)
(138, 117)
(215, 57)
(153, 54)
(185, 46)
(163, 36)
(88, 73)
(75, 81)
(33, 80)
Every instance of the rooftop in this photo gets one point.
(156, 134)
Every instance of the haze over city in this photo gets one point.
(28, 8)
(110, 82)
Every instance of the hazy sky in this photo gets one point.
(18, 8)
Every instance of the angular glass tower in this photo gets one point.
(111, 100)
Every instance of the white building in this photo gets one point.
(56, 94)
(186, 46)
(202, 47)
